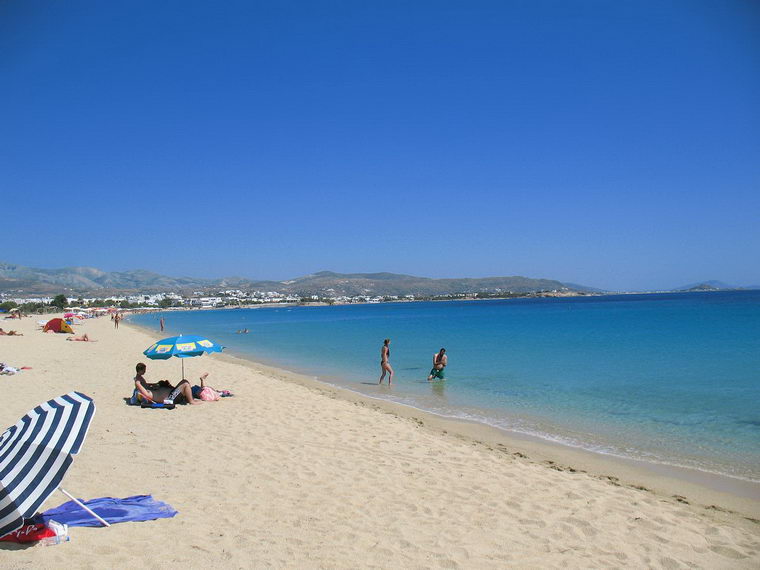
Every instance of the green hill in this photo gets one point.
(92, 281)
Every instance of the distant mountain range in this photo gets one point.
(91, 281)
(86, 280)
(394, 284)
(95, 282)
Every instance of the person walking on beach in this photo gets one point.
(440, 361)
(385, 365)
(161, 324)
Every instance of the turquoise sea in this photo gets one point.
(667, 378)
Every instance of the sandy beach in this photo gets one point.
(288, 474)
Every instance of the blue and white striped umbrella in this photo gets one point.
(36, 452)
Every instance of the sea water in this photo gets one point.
(666, 378)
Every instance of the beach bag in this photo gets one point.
(135, 401)
(29, 533)
(208, 395)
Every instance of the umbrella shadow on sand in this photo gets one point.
(17, 545)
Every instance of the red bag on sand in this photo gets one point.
(29, 533)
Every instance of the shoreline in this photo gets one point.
(697, 487)
(704, 488)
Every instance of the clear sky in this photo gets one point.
(609, 143)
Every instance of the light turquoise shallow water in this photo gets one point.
(671, 378)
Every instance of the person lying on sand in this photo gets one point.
(83, 338)
(208, 393)
(11, 370)
(157, 393)
(10, 333)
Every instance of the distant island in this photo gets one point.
(713, 285)
(702, 287)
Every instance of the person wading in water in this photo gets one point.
(385, 365)
(440, 361)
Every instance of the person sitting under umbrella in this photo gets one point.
(159, 392)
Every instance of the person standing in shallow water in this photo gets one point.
(385, 365)
(440, 360)
(161, 323)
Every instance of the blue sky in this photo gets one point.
(614, 144)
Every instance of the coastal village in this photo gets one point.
(233, 298)
(33, 289)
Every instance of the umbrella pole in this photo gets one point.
(183, 369)
(86, 508)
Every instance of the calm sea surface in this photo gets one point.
(669, 378)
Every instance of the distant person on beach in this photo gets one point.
(159, 392)
(440, 360)
(83, 338)
(385, 365)
(161, 324)
(11, 370)
(10, 333)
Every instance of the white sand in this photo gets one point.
(285, 476)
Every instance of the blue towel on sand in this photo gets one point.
(131, 509)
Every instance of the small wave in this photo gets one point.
(753, 423)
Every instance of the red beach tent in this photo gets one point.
(57, 325)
